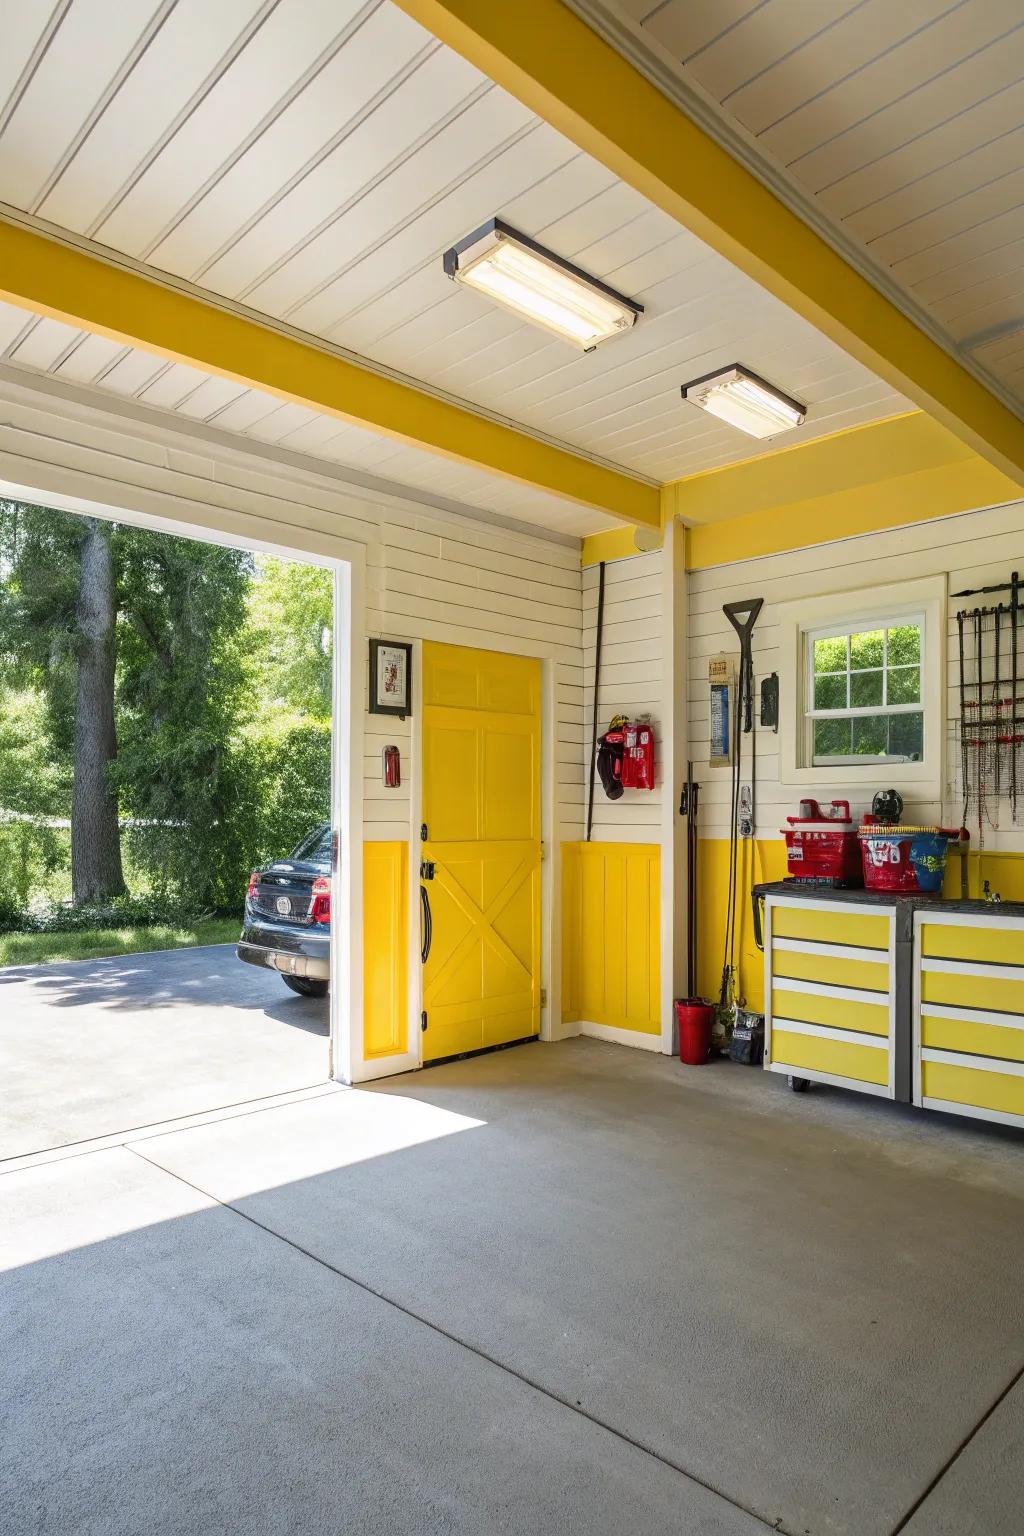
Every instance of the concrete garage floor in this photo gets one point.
(95, 1047)
(566, 1288)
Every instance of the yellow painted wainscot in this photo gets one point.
(385, 944)
(968, 1012)
(611, 941)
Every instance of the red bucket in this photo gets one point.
(694, 1018)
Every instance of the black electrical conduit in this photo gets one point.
(597, 684)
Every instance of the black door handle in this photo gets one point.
(758, 901)
(428, 924)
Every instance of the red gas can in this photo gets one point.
(822, 844)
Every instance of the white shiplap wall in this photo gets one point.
(437, 578)
(631, 683)
(973, 549)
(429, 575)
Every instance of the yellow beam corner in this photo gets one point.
(904, 470)
(76, 286)
(545, 55)
(617, 544)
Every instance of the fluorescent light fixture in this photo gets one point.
(533, 282)
(737, 396)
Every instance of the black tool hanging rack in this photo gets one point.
(991, 719)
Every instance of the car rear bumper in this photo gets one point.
(291, 951)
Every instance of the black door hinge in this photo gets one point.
(423, 1020)
(426, 870)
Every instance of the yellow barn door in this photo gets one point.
(480, 876)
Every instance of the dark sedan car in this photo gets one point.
(287, 924)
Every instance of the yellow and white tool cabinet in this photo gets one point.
(906, 997)
(968, 1012)
(831, 991)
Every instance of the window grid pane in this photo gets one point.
(876, 670)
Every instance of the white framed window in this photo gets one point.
(863, 699)
(861, 689)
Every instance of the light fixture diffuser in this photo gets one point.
(522, 276)
(737, 396)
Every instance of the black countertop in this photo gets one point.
(913, 900)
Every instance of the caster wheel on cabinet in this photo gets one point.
(799, 1084)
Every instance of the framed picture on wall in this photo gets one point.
(390, 678)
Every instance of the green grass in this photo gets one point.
(35, 948)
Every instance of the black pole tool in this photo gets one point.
(742, 616)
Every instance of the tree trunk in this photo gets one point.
(96, 873)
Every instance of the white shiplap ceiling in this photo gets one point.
(311, 159)
(901, 124)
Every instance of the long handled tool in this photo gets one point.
(742, 616)
(960, 620)
(688, 808)
(978, 641)
(1013, 704)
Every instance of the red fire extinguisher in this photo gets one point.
(638, 755)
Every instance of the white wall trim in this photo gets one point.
(925, 594)
(674, 753)
(616, 1036)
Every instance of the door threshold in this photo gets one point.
(484, 1050)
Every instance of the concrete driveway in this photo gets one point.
(95, 1047)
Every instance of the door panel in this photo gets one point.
(481, 808)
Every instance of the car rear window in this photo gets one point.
(316, 846)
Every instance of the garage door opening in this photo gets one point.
(172, 789)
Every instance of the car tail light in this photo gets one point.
(254, 880)
(320, 910)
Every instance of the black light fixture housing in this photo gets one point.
(740, 397)
(525, 277)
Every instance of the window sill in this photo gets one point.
(919, 777)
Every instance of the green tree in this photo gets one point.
(181, 694)
(58, 618)
(132, 634)
(291, 617)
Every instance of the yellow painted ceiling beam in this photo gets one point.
(545, 55)
(76, 286)
(908, 469)
(620, 543)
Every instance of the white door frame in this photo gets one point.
(347, 560)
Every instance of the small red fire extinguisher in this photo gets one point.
(638, 755)
(392, 768)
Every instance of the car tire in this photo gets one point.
(306, 986)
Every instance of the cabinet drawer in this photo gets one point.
(834, 965)
(870, 1018)
(867, 930)
(1000, 943)
(859, 1062)
(999, 989)
(955, 1080)
(982, 1035)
